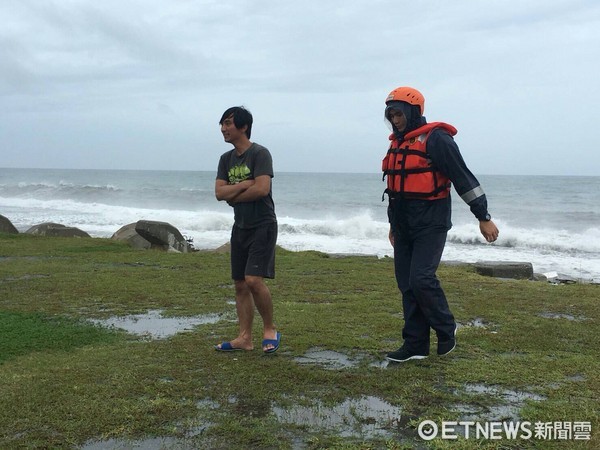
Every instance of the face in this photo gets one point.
(398, 120)
(230, 132)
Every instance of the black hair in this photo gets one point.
(241, 117)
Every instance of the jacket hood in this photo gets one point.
(414, 119)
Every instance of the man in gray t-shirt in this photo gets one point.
(244, 182)
(235, 168)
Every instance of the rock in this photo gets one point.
(225, 248)
(162, 235)
(130, 235)
(505, 269)
(56, 230)
(540, 277)
(559, 278)
(6, 226)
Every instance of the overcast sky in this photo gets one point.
(120, 84)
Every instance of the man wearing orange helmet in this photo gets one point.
(421, 164)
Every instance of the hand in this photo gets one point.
(391, 237)
(489, 230)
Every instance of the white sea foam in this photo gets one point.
(547, 249)
(541, 239)
(333, 213)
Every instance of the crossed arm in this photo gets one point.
(244, 191)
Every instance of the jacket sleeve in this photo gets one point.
(446, 157)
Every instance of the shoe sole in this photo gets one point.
(407, 359)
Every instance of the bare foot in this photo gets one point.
(236, 344)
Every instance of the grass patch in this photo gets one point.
(24, 333)
(65, 382)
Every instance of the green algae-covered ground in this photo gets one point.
(527, 353)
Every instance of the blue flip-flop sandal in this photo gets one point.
(227, 347)
(274, 342)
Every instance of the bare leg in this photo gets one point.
(264, 305)
(244, 305)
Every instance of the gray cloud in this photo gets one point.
(118, 84)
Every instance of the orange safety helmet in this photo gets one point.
(408, 95)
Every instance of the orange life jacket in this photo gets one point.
(409, 171)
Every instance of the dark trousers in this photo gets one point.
(416, 259)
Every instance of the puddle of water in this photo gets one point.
(153, 443)
(327, 358)
(549, 315)
(510, 410)
(367, 417)
(508, 394)
(207, 404)
(577, 378)
(25, 258)
(250, 407)
(154, 325)
(146, 444)
(24, 277)
(159, 442)
(383, 364)
(478, 322)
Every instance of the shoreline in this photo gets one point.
(549, 277)
(473, 252)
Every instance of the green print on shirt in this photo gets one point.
(238, 173)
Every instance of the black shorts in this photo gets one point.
(253, 251)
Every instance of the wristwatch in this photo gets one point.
(486, 218)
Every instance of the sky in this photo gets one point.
(142, 84)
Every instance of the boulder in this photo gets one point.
(540, 277)
(130, 235)
(56, 230)
(225, 248)
(162, 235)
(6, 226)
(505, 269)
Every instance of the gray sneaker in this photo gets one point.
(402, 355)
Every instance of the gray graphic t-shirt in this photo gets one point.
(254, 162)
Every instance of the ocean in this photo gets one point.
(552, 222)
